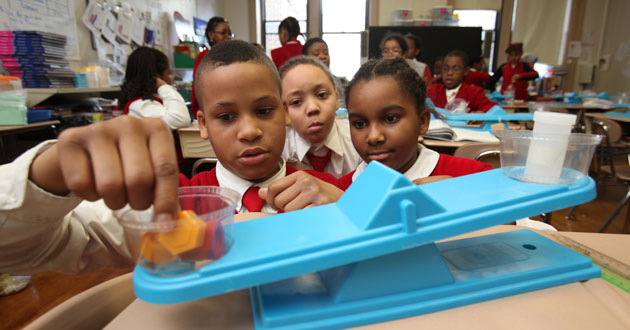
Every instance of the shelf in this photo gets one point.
(38, 95)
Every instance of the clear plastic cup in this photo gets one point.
(515, 147)
(186, 244)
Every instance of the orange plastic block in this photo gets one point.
(153, 251)
(187, 235)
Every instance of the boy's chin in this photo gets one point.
(257, 174)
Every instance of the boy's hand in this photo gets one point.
(299, 190)
(516, 77)
(123, 160)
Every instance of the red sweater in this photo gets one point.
(523, 69)
(474, 95)
(290, 49)
(477, 78)
(446, 165)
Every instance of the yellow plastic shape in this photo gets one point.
(153, 251)
(187, 235)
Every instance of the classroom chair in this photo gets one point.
(200, 162)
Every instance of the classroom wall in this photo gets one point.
(538, 24)
(616, 44)
(422, 7)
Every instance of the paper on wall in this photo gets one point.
(94, 18)
(138, 30)
(109, 27)
(124, 27)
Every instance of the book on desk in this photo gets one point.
(440, 130)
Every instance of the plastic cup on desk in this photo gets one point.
(201, 234)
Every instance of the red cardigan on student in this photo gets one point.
(446, 165)
(523, 69)
(474, 95)
(477, 78)
(290, 49)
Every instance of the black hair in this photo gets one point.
(417, 41)
(407, 78)
(310, 43)
(399, 39)
(461, 54)
(212, 23)
(515, 47)
(474, 59)
(144, 65)
(295, 61)
(230, 52)
(291, 25)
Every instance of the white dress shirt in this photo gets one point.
(230, 180)
(422, 168)
(344, 158)
(172, 110)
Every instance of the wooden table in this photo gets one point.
(46, 291)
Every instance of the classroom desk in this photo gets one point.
(443, 147)
(605, 116)
(594, 304)
(577, 109)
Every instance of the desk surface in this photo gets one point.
(567, 106)
(588, 305)
(605, 116)
(15, 129)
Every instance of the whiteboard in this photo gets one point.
(55, 16)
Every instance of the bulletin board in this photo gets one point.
(42, 15)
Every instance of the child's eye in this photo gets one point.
(295, 102)
(263, 111)
(226, 116)
(390, 119)
(359, 124)
(322, 95)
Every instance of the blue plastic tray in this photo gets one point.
(382, 213)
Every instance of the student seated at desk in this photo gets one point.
(315, 138)
(57, 209)
(515, 72)
(476, 76)
(387, 113)
(148, 74)
(453, 87)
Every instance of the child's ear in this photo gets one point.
(425, 119)
(203, 130)
(287, 119)
(338, 100)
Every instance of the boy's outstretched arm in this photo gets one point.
(299, 190)
(43, 227)
(124, 160)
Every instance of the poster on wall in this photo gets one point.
(94, 18)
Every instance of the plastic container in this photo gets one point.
(12, 101)
(183, 245)
(576, 157)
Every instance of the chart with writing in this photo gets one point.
(55, 16)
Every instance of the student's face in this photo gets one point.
(412, 51)
(319, 50)
(243, 116)
(384, 123)
(283, 35)
(392, 49)
(514, 57)
(453, 71)
(221, 32)
(437, 68)
(311, 101)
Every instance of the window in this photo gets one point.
(274, 11)
(342, 33)
(486, 19)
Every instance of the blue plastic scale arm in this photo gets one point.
(381, 213)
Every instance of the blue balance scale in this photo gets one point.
(371, 256)
(494, 115)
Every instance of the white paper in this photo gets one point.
(124, 27)
(109, 27)
(138, 30)
(93, 18)
(575, 49)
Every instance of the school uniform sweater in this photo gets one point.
(290, 49)
(169, 106)
(428, 163)
(506, 70)
(475, 96)
(477, 78)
